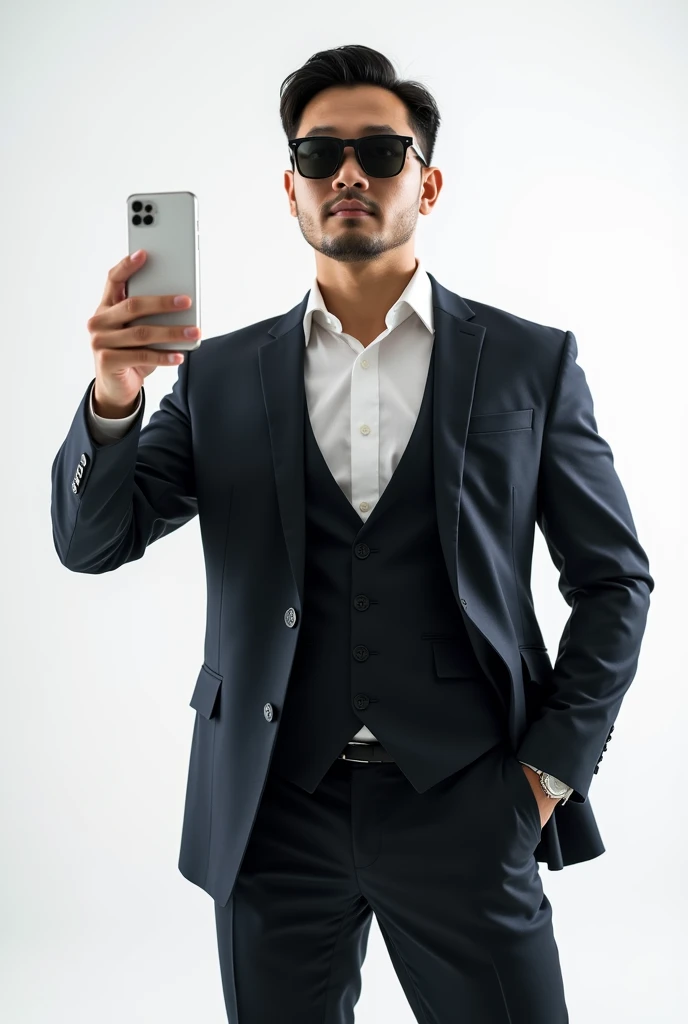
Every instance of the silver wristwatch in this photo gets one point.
(554, 788)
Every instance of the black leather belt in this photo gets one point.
(366, 753)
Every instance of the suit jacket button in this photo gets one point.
(290, 617)
(267, 712)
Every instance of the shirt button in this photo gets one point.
(364, 364)
(365, 429)
(364, 506)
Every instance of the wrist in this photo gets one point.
(110, 410)
(552, 788)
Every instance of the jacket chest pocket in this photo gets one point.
(492, 422)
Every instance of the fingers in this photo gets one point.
(109, 328)
(113, 360)
(117, 277)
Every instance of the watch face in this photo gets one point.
(555, 785)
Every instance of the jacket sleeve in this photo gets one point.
(604, 577)
(110, 501)
(105, 430)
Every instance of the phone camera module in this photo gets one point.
(137, 206)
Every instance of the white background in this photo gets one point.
(563, 150)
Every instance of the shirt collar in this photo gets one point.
(415, 298)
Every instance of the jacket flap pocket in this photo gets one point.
(538, 667)
(450, 661)
(516, 419)
(205, 694)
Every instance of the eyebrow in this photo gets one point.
(330, 129)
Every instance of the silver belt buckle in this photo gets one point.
(357, 760)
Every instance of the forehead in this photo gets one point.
(348, 112)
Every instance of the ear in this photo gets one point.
(430, 190)
(289, 188)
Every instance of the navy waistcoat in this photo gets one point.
(383, 642)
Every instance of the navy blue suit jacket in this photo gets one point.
(513, 417)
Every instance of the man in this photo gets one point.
(379, 728)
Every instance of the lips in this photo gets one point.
(353, 206)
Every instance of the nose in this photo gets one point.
(350, 172)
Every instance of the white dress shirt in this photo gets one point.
(363, 401)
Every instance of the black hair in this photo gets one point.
(357, 65)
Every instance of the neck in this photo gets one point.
(361, 294)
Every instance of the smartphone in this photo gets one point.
(165, 224)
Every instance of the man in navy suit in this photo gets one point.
(379, 728)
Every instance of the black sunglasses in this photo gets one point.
(380, 156)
